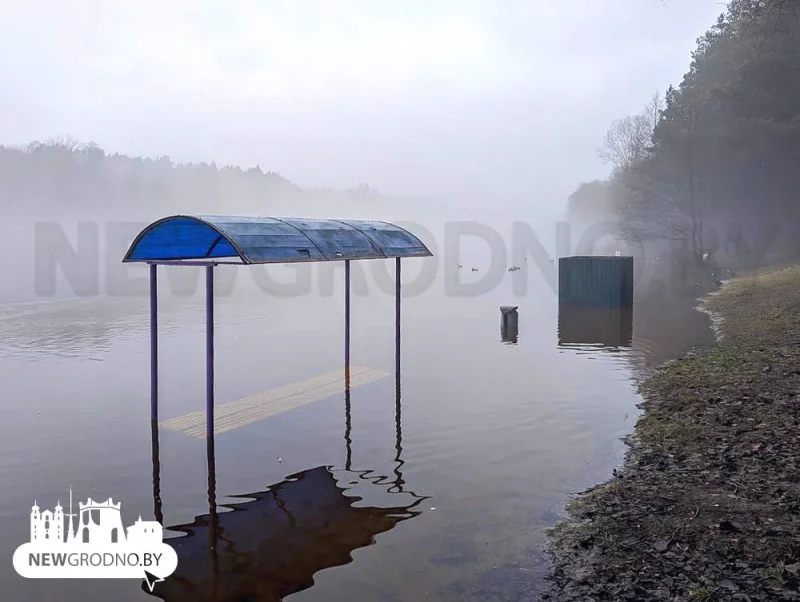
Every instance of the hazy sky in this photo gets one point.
(466, 99)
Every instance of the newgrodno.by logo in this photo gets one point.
(98, 547)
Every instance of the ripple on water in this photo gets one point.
(498, 435)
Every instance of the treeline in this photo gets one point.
(716, 162)
(64, 177)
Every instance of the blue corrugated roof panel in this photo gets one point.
(271, 240)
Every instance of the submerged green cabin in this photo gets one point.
(595, 281)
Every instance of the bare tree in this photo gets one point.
(653, 206)
(652, 111)
(628, 141)
(65, 142)
(661, 193)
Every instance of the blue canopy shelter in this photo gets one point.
(213, 240)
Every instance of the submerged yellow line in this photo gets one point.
(235, 414)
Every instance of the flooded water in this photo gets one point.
(437, 485)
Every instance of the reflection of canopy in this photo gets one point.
(270, 547)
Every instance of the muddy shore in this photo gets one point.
(707, 504)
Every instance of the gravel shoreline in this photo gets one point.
(707, 503)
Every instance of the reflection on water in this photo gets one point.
(59, 328)
(663, 324)
(88, 328)
(76, 327)
(271, 545)
(497, 434)
(667, 325)
(602, 326)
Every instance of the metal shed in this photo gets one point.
(596, 281)
(208, 241)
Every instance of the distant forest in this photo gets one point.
(66, 178)
(715, 161)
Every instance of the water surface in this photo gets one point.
(489, 437)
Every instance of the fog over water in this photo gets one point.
(444, 117)
(448, 110)
(467, 101)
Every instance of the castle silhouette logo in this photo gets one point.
(98, 547)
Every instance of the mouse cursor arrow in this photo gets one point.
(151, 580)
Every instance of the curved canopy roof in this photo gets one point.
(271, 240)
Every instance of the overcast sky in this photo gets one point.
(505, 100)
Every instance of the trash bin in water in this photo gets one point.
(509, 323)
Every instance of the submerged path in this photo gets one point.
(235, 414)
(707, 505)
